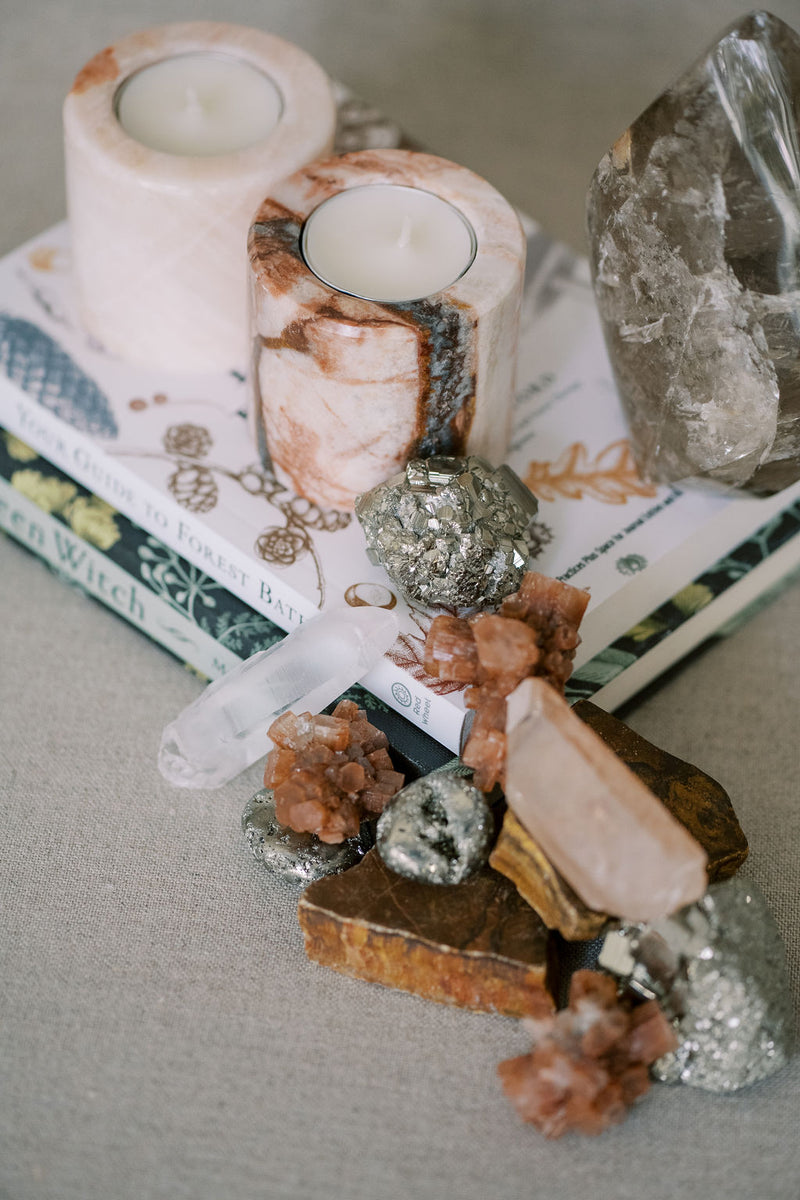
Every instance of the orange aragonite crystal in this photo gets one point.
(535, 632)
(328, 772)
(589, 1062)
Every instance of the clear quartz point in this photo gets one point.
(224, 730)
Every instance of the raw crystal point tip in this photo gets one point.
(450, 530)
(436, 830)
(224, 731)
(301, 857)
(718, 969)
(694, 231)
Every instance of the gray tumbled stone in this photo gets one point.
(436, 830)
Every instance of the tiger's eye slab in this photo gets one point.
(476, 945)
(519, 857)
(700, 803)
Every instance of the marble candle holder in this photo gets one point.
(159, 239)
(347, 390)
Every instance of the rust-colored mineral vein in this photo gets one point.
(103, 68)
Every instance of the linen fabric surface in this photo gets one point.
(162, 1034)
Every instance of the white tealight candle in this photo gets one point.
(388, 242)
(199, 104)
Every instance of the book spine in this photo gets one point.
(87, 567)
(82, 459)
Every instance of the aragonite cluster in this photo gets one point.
(589, 1062)
(694, 231)
(450, 531)
(534, 632)
(329, 772)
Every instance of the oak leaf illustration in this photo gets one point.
(610, 477)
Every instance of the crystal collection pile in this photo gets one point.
(561, 824)
(556, 824)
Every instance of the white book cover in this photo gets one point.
(177, 455)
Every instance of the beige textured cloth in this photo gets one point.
(161, 1033)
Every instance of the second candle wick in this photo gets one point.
(405, 233)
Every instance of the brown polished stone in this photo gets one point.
(476, 945)
(517, 856)
(700, 803)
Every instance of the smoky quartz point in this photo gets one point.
(438, 829)
(694, 231)
(450, 531)
(718, 969)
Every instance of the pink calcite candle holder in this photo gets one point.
(159, 239)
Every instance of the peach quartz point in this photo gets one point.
(613, 841)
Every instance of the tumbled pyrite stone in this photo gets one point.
(718, 969)
(476, 945)
(450, 531)
(301, 857)
(700, 804)
(694, 228)
(438, 829)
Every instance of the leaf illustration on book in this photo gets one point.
(610, 477)
(408, 653)
(36, 363)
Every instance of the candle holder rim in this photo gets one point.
(379, 184)
(223, 56)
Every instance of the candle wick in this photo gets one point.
(405, 233)
(193, 103)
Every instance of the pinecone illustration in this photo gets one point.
(194, 487)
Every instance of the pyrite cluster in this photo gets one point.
(450, 531)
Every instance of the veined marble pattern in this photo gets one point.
(349, 389)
